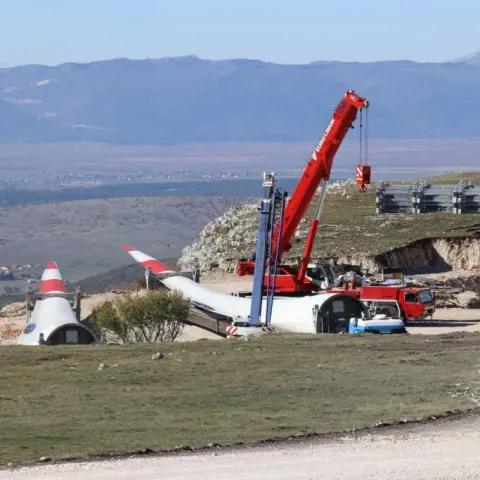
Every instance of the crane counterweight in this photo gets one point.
(363, 176)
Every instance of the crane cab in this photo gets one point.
(320, 274)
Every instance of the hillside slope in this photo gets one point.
(84, 237)
(189, 99)
(351, 233)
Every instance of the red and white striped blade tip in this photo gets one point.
(146, 261)
(52, 281)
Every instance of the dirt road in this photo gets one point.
(448, 320)
(450, 450)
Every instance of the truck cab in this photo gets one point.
(416, 303)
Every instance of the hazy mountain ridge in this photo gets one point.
(186, 99)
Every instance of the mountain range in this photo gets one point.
(188, 99)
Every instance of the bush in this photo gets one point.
(156, 317)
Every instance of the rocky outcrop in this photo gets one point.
(465, 282)
(13, 309)
(459, 253)
(434, 255)
(468, 300)
(223, 241)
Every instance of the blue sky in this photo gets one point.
(294, 31)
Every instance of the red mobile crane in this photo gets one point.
(310, 278)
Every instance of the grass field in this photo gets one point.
(55, 402)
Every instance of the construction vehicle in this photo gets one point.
(271, 218)
(394, 301)
(231, 316)
(309, 277)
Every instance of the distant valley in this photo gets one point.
(84, 237)
(198, 191)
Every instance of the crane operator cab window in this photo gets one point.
(321, 276)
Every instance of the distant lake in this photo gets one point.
(205, 188)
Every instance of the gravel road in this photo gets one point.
(448, 450)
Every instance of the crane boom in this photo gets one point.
(319, 166)
(292, 280)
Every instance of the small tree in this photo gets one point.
(158, 316)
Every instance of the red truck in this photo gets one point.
(407, 303)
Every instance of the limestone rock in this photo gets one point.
(468, 299)
(13, 309)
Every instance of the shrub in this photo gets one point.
(158, 316)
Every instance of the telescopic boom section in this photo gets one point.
(319, 167)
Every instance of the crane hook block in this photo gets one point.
(363, 172)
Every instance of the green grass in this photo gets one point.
(54, 402)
